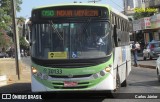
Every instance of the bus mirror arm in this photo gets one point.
(119, 39)
(30, 43)
(115, 35)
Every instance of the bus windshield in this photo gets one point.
(80, 40)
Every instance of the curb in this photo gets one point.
(147, 66)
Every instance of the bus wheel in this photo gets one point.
(124, 83)
(114, 93)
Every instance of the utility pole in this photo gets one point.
(94, 1)
(124, 3)
(16, 38)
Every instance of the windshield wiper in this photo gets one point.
(57, 32)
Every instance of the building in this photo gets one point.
(155, 19)
(152, 3)
(130, 5)
(148, 28)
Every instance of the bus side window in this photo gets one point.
(122, 25)
(116, 21)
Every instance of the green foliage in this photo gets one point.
(23, 43)
(4, 42)
(18, 2)
(6, 12)
(6, 19)
(21, 19)
(138, 15)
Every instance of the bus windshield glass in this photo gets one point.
(80, 40)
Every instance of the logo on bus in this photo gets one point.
(70, 76)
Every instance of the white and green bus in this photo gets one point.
(79, 47)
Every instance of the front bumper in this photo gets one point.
(106, 84)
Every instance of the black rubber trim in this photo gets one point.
(70, 63)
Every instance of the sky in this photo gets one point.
(27, 5)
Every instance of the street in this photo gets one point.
(140, 80)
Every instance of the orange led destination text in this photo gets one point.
(78, 13)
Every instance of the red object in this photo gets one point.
(70, 84)
(152, 47)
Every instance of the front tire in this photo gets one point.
(124, 84)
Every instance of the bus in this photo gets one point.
(79, 47)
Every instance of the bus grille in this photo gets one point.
(74, 76)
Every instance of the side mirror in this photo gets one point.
(30, 43)
(119, 39)
(115, 35)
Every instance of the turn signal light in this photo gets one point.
(107, 69)
(34, 70)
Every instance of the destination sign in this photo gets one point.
(70, 13)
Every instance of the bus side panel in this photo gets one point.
(128, 60)
(121, 56)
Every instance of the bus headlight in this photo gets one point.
(102, 73)
(45, 77)
(95, 76)
(34, 70)
(39, 75)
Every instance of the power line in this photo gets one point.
(111, 0)
(117, 5)
(94, 1)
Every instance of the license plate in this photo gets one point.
(70, 84)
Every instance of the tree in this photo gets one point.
(6, 18)
(23, 43)
(5, 41)
(138, 15)
(20, 20)
(6, 13)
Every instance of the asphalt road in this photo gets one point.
(140, 80)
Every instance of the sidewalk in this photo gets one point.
(8, 68)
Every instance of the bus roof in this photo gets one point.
(84, 4)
